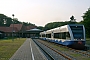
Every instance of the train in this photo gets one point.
(72, 35)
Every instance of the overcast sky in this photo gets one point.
(41, 12)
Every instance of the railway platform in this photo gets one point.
(28, 51)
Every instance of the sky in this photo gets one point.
(41, 12)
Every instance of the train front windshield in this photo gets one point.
(77, 32)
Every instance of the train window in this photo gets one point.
(67, 36)
(56, 35)
(43, 35)
(64, 35)
(48, 35)
(76, 27)
(61, 35)
(77, 32)
(78, 35)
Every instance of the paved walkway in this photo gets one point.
(28, 51)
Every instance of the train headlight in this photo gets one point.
(75, 39)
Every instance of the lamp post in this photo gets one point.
(13, 27)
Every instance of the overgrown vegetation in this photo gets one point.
(9, 47)
(88, 41)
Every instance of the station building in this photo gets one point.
(19, 30)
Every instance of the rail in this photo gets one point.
(45, 52)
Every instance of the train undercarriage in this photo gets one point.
(78, 46)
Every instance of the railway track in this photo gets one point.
(82, 52)
(49, 57)
(85, 54)
(56, 51)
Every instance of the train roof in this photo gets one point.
(64, 27)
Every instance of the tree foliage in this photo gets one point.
(72, 19)
(2, 17)
(86, 22)
(6, 21)
(28, 23)
(40, 27)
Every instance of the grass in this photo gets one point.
(9, 47)
(88, 41)
(79, 57)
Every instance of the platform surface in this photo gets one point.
(28, 51)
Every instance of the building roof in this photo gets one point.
(8, 29)
(29, 27)
(34, 29)
(18, 26)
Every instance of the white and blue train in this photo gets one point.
(69, 35)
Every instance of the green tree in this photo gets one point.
(2, 18)
(72, 20)
(15, 21)
(56, 24)
(8, 21)
(40, 27)
(28, 23)
(5, 20)
(86, 22)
